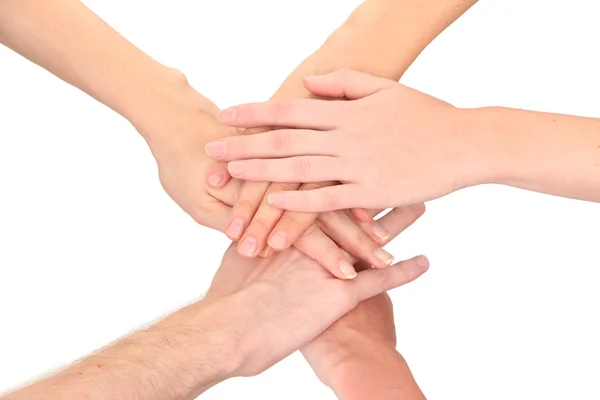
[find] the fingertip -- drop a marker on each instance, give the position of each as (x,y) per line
(279,240)
(361,215)
(419,208)
(218,178)
(216,150)
(422,262)
(347,269)
(237,168)
(235,228)
(227,116)
(277,200)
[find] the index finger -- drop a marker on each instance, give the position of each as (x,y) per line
(293,113)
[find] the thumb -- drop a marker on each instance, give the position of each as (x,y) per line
(374,281)
(346,83)
(218,175)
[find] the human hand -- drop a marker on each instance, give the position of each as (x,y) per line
(261,228)
(363,344)
(281,303)
(353,339)
(390,146)
(184,121)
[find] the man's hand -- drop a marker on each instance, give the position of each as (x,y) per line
(363,343)
(357,358)
(286,301)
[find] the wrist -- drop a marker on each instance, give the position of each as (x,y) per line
(491,151)
(164,107)
(210,348)
(331,359)
(375,367)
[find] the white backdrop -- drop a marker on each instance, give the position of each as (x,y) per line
(91,247)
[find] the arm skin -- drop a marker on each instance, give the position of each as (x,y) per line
(161,362)
(70,41)
(356,357)
(378,373)
(381,37)
(255,313)
(549,153)
(544,152)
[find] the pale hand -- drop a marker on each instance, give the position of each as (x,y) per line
(390,145)
(177,134)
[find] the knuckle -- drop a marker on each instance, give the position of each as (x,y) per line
(296,222)
(244,207)
(261,224)
(256,168)
(332,216)
(348,297)
(282,140)
(301,167)
(331,199)
(311,231)
(282,109)
(240,146)
(382,277)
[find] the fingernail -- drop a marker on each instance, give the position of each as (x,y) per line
(419,207)
(215,149)
(227,115)
(267,252)
(347,269)
(248,246)
(422,262)
(216,177)
(383,256)
(236,168)
(235,229)
(381,233)
(278,240)
(362,214)
(277,200)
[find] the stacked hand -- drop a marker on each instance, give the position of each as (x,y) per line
(389,145)
(271,307)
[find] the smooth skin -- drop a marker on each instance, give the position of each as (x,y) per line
(175,120)
(381,37)
(255,313)
(392,146)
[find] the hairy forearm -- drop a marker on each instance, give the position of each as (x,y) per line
(70,41)
(178,358)
(381,37)
(375,374)
(549,153)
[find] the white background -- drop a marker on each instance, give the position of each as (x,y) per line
(91,247)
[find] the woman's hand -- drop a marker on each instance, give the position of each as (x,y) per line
(390,145)
(184,121)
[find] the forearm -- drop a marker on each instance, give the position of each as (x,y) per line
(549,153)
(178,358)
(70,41)
(381,37)
(375,374)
